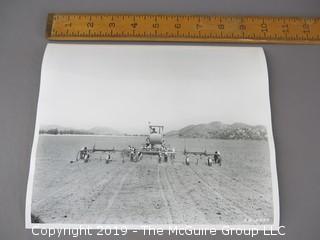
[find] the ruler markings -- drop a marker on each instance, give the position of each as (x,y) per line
(183,28)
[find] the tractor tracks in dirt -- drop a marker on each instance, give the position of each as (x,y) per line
(253,204)
(81,197)
(83,181)
(183,205)
(98,190)
(217,208)
(189,207)
(235,182)
(178,202)
(164,195)
(104,213)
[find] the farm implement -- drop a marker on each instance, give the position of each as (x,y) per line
(155,145)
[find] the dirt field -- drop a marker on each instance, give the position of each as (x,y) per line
(150,193)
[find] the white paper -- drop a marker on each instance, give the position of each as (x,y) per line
(105,97)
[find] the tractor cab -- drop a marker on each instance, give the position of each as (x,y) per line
(157,129)
(156,144)
(155,138)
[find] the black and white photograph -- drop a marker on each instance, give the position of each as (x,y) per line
(153,135)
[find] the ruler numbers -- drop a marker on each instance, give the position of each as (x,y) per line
(183,28)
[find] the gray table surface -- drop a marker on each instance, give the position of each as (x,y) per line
(294,87)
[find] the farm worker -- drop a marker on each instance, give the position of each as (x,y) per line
(165,156)
(172,155)
(217,157)
(131,155)
(159,157)
(139,156)
(86,157)
(83,152)
(147,142)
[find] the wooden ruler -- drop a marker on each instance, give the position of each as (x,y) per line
(183,28)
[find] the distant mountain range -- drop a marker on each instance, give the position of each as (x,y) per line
(56,129)
(218,130)
(214,130)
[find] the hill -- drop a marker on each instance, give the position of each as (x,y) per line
(219,130)
(56,129)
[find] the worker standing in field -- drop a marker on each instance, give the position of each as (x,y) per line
(139,156)
(86,157)
(148,142)
(83,152)
(129,150)
(166,156)
(131,154)
(217,158)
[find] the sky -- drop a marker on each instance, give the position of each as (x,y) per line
(126,86)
